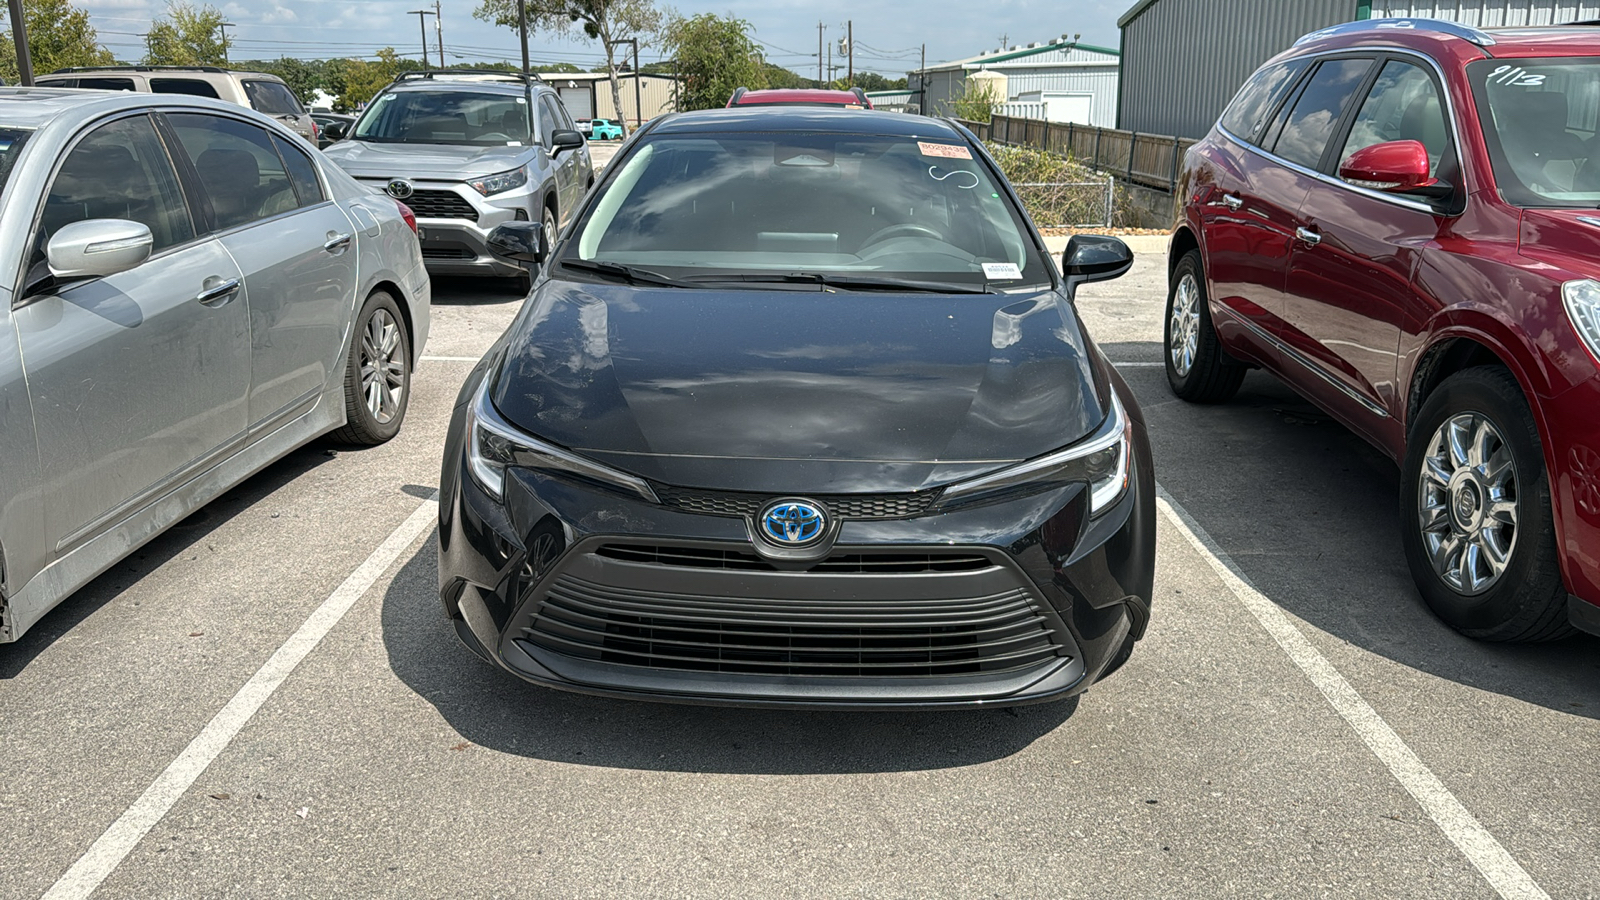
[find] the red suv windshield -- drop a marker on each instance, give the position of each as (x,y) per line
(1539,120)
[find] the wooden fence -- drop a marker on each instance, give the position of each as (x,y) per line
(1148,159)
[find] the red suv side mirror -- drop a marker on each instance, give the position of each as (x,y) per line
(1394,166)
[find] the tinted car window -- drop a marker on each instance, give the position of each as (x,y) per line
(1403,105)
(1539,119)
(271,98)
(107,84)
(244,178)
(549,122)
(1318,110)
(119,171)
(194,87)
(11,141)
(868,205)
(1246,117)
(302,172)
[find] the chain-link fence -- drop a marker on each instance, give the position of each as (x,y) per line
(1067,204)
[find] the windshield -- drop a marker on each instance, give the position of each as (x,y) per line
(11,141)
(446,117)
(695,206)
(1539,119)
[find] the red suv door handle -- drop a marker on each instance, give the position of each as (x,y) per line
(1307,235)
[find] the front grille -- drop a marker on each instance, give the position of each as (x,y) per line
(881,637)
(842,506)
(847,563)
(430,204)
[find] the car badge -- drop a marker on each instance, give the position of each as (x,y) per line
(399,188)
(793,523)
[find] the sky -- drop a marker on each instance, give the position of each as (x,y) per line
(888,35)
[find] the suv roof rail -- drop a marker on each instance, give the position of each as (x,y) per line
(1439,26)
(70,69)
(737,93)
(860,93)
(427,74)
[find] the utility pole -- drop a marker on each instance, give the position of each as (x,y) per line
(830,66)
(922,82)
(422,28)
(19,33)
(438,30)
(527,75)
(223,27)
(850,46)
(819,48)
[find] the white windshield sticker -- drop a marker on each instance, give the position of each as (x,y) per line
(1001,271)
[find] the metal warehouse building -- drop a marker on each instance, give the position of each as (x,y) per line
(1182,60)
(1063,80)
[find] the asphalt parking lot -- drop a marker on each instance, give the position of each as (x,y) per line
(267,701)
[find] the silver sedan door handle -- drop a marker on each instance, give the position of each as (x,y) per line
(220,293)
(1307,235)
(336,241)
(1232,201)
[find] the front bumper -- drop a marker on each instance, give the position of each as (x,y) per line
(454,221)
(582,589)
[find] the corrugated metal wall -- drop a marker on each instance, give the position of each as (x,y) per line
(942,86)
(1182,60)
(1098,81)
(1492,13)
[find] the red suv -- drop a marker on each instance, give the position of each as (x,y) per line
(855,98)
(1398,219)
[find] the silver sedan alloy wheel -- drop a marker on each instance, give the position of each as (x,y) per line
(382,371)
(1467,503)
(1184,329)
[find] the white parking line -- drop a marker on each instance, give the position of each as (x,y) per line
(471,359)
(108,851)
(1120,365)
(1503,872)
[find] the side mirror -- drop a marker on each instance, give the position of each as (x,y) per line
(1395,167)
(98,247)
(521,242)
(336,131)
(1094,257)
(565,140)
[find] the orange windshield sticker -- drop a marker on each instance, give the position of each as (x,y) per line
(944,151)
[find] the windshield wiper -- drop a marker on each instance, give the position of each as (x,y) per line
(848,282)
(617,270)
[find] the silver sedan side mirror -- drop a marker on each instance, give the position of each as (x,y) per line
(98,247)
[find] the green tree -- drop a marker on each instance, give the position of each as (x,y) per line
(607,21)
(976,102)
(363,79)
(715,55)
(59,35)
(186,36)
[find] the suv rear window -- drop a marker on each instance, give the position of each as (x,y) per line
(194,87)
(1253,105)
(272,98)
(107,84)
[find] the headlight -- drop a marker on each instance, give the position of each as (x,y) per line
(1101,461)
(493,444)
(500,181)
(1582,300)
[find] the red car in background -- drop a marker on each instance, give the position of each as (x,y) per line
(855,98)
(1398,219)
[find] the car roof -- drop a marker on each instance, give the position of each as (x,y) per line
(787,95)
(157,70)
(825,119)
(34,107)
(1454,42)
(485,86)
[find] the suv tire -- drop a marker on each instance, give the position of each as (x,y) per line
(1475,515)
(1198,369)
(377,376)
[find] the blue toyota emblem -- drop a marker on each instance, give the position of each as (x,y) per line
(793,522)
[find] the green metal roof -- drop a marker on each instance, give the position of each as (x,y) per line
(1034,51)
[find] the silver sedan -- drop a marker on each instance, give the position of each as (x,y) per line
(194,292)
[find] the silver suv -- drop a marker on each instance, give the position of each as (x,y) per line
(455,147)
(266,94)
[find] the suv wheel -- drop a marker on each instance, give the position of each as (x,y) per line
(1475,512)
(1197,367)
(377,379)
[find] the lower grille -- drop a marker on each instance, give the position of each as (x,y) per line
(447,251)
(851,563)
(430,204)
(881,637)
(843,506)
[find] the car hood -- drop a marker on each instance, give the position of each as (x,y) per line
(798,391)
(433,162)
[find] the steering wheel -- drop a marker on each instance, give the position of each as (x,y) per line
(904,229)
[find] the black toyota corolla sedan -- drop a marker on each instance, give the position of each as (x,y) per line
(800,412)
